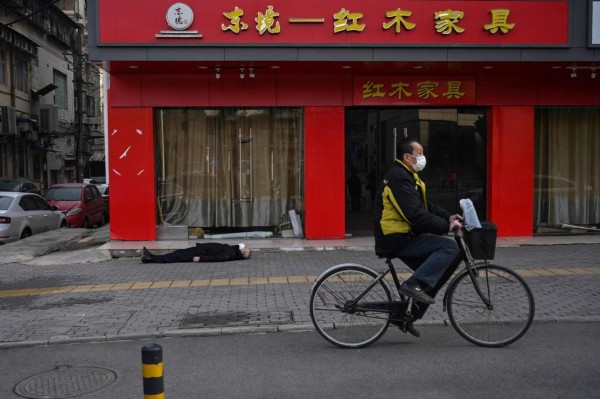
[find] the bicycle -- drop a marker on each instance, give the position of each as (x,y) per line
(352,305)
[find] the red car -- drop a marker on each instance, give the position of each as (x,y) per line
(82,204)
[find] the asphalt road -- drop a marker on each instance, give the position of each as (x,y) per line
(551,361)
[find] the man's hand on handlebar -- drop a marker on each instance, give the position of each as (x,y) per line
(455,217)
(455,225)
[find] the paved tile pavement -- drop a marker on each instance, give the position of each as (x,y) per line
(125,299)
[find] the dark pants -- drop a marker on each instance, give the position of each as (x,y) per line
(177,256)
(429,255)
(434,259)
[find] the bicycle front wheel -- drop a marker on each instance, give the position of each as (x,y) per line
(335,316)
(508,316)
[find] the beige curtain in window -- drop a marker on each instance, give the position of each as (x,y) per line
(567,166)
(229,167)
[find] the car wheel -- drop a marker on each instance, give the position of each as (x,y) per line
(86,224)
(26,233)
(102,221)
(63,224)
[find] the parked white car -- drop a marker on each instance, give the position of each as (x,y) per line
(25,214)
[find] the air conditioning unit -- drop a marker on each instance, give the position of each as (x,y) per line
(48,120)
(9,121)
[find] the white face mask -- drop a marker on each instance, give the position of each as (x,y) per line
(421,162)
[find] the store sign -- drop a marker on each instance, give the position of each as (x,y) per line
(414,90)
(336,22)
(594,25)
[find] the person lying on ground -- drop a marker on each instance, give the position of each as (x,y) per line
(202,252)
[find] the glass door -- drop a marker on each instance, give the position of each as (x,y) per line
(454,140)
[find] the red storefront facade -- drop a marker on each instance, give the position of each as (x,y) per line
(509,63)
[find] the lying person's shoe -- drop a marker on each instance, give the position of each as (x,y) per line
(147,259)
(407,327)
(146,253)
(416,292)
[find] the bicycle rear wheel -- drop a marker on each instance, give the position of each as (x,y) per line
(509,315)
(338,322)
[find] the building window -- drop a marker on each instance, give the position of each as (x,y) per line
(2,67)
(22,75)
(567,172)
(90,103)
(229,168)
(60,94)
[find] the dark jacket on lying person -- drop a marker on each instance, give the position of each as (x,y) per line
(202,252)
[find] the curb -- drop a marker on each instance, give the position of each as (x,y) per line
(205,332)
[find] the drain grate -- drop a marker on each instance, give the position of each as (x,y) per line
(65,382)
(229,319)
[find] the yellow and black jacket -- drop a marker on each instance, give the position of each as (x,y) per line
(401,210)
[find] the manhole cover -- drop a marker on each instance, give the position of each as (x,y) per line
(228,319)
(65,382)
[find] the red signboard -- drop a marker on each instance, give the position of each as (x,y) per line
(413,90)
(335,22)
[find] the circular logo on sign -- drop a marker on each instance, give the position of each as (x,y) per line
(180,16)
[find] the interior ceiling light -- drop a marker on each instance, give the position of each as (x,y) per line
(133,67)
(573,72)
(218,73)
(251,74)
(242,74)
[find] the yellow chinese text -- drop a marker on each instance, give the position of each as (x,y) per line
(499,21)
(397,19)
(400,90)
(342,18)
(454,90)
(371,90)
(235,18)
(447,21)
(426,89)
(266,22)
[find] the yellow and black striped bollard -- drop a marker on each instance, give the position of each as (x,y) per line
(152,368)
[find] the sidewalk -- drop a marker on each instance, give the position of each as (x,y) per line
(104,249)
(50,300)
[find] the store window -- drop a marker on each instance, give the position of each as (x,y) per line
(567,172)
(454,142)
(229,169)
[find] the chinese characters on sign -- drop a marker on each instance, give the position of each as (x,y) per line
(445,22)
(413,90)
(337,22)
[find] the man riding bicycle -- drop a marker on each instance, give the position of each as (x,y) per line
(407,226)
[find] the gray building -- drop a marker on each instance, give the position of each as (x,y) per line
(50,94)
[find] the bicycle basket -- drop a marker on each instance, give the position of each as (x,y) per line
(482,241)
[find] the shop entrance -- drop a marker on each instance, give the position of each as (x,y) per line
(229,170)
(454,140)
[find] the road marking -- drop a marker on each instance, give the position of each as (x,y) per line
(245,281)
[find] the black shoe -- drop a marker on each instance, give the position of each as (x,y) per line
(147,259)
(416,292)
(407,327)
(146,253)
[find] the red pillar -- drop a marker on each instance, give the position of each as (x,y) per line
(510,170)
(131,171)
(324,172)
